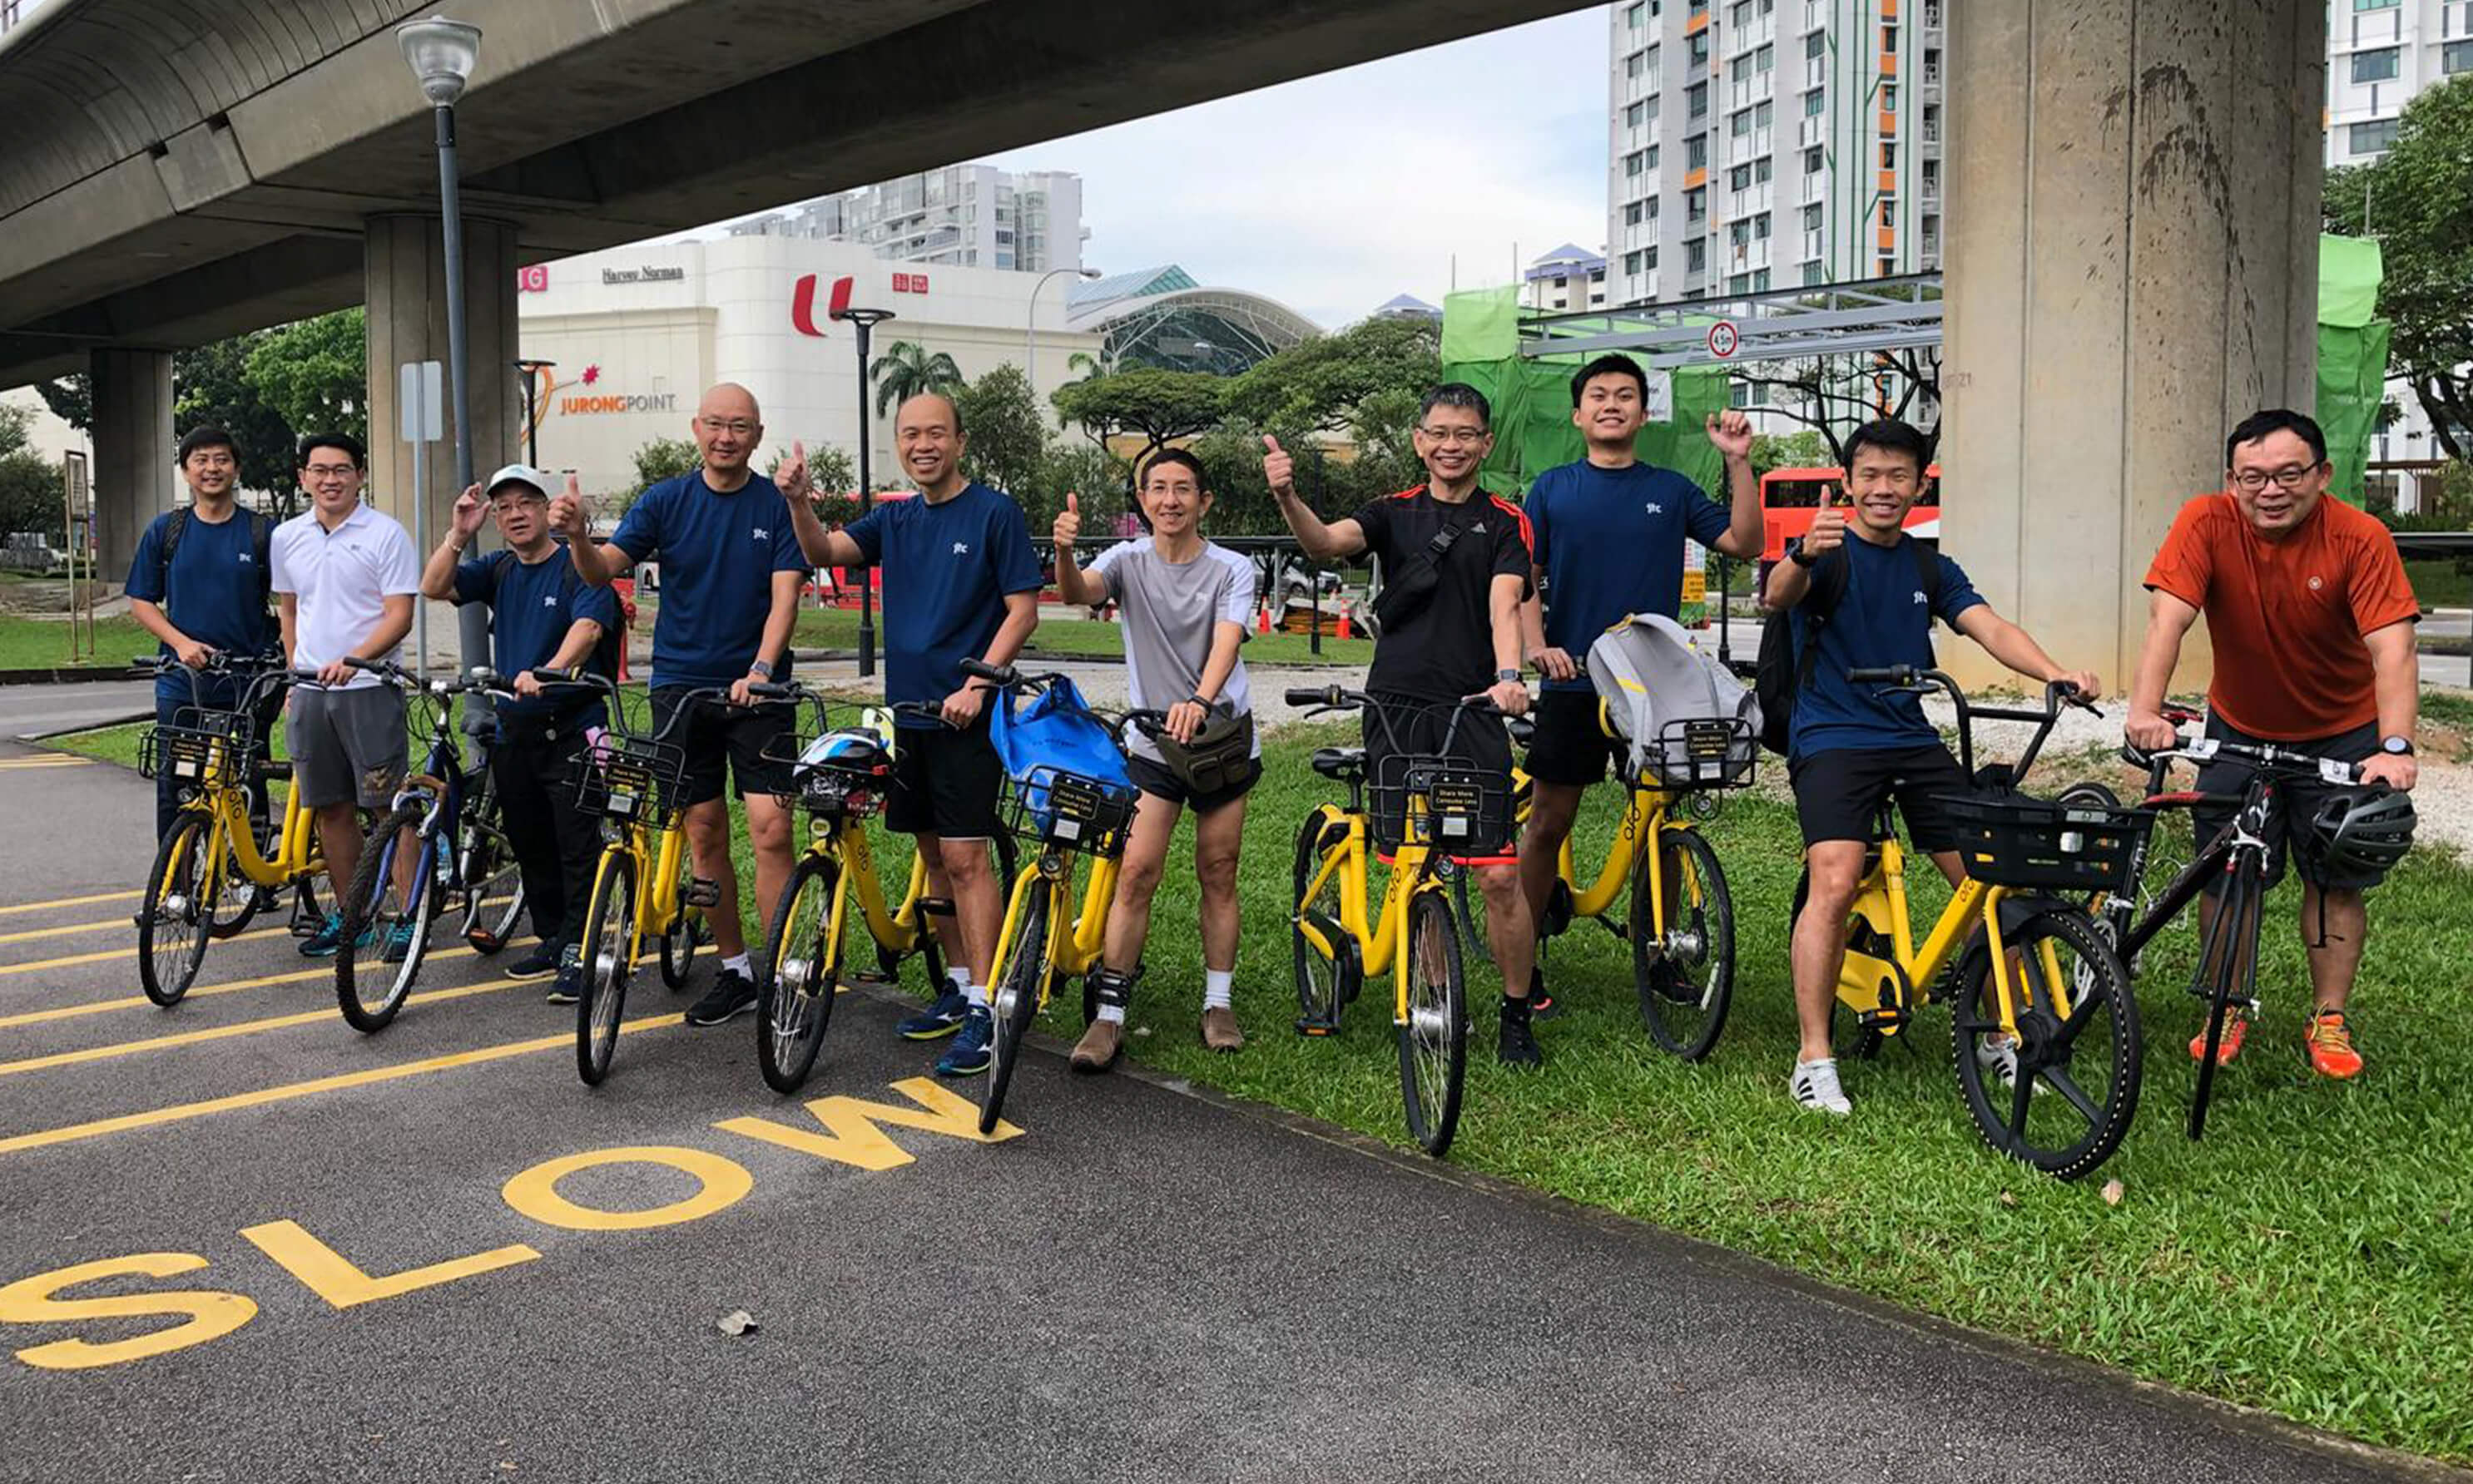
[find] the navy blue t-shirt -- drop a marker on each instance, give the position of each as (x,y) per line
(718,556)
(530,612)
(1611,542)
(1883,619)
(217,596)
(948,569)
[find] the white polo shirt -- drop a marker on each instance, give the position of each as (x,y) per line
(342,578)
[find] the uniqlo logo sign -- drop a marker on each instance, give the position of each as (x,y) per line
(910,284)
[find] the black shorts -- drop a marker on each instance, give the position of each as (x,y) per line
(1397,726)
(1155,778)
(2297,798)
(717,734)
(1837,794)
(1569,747)
(945,783)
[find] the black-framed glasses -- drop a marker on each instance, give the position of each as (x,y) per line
(2289,477)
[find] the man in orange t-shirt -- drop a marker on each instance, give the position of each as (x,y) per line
(2312,620)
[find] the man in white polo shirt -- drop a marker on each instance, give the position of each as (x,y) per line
(346,577)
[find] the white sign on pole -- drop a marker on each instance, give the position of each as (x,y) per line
(1659,405)
(1725,339)
(421,396)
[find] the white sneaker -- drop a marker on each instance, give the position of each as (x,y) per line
(1996,1053)
(1815,1086)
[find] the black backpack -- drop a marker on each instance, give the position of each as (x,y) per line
(261,535)
(613,636)
(1781,671)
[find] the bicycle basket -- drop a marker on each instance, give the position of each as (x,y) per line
(2014,841)
(1701,751)
(632,781)
(844,774)
(1440,803)
(1074,812)
(197,756)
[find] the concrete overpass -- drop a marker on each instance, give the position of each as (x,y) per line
(2130,257)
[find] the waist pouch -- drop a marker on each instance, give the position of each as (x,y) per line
(1217,758)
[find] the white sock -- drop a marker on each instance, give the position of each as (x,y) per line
(1114,1014)
(741,964)
(976,994)
(1217,984)
(957,979)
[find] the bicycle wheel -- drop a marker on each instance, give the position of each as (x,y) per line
(608,924)
(237,899)
(2077,1046)
(493,884)
(370,992)
(688,932)
(1318,977)
(1024,982)
(1686,979)
(798,975)
(2233,937)
(172,918)
(1433,1043)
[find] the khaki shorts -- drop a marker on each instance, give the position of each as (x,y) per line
(348,746)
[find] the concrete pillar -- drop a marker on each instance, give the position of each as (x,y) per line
(134,478)
(2132,267)
(405,280)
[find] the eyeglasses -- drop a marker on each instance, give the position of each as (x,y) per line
(2289,477)
(1457,438)
(734,427)
(332,471)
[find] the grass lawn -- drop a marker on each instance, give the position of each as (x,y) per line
(2312,1258)
(43,643)
(2438,582)
(1088,638)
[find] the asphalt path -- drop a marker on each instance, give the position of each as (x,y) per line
(432,1254)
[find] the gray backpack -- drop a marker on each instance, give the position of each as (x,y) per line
(1655,680)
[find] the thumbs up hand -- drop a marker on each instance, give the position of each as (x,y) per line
(1828,532)
(794,474)
(1069,524)
(1278,470)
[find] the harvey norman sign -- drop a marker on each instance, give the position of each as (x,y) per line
(645,274)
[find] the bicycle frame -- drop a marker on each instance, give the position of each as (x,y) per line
(1380,937)
(894,929)
(1075,951)
(1883,896)
(228,804)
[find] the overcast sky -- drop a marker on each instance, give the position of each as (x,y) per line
(1333,192)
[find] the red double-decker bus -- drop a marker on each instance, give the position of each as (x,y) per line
(1789,496)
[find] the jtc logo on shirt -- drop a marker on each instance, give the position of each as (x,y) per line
(1920,598)
(1654,509)
(961,548)
(763,535)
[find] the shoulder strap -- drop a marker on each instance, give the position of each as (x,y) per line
(1830,576)
(498,563)
(173,525)
(1928,578)
(261,536)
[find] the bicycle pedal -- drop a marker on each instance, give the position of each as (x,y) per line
(1308,1026)
(700,892)
(936,906)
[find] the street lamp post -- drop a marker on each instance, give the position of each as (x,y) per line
(532,370)
(442,54)
(1031,324)
(865,320)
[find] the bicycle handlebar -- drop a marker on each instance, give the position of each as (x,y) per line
(2260,758)
(1917,679)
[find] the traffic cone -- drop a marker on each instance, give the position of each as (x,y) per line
(1343,623)
(1262,620)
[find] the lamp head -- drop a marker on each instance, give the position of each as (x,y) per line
(442,54)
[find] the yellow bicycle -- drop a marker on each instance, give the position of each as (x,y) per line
(211,876)
(2044,1028)
(839,780)
(1423,804)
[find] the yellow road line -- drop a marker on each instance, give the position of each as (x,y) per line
(73,927)
(17,764)
(244,1028)
(74,901)
(106,955)
(183,1111)
(198,991)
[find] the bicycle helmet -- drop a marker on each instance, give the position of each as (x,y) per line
(2360,832)
(851,749)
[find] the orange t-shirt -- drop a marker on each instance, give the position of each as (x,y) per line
(2287,617)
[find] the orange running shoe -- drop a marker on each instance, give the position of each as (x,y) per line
(2330,1043)
(2236,1026)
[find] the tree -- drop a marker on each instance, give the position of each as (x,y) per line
(31,494)
(1162,406)
(315,373)
(71,399)
(1328,383)
(831,470)
(1076,468)
(1805,449)
(1834,395)
(1007,438)
(2419,201)
(906,370)
(663,458)
(211,386)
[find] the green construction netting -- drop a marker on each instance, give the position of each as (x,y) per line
(2352,356)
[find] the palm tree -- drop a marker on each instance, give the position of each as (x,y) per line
(906,371)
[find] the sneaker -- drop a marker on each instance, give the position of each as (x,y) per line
(540,964)
(1997,1055)
(939,1019)
(1815,1086)
(969,1055)
(569,986)
(1219,1030)
(1099,1048)
(1541,1004)
(2330,1044)
(328,938)
(398,943)
(2236,1026)
(731,994)
(1517,1044)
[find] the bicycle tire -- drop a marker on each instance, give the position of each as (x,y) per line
(1433,1042)
(2239,904)
(167,960)
(372,882)
(490,873)
(1015,1002)
(2076,1131)
(608,924)
(801,962)
(1319,997)
(1682,1018)
(230,922)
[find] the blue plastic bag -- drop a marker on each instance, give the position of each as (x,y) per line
(1055,733)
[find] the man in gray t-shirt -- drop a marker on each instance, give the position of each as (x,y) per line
(1185,603)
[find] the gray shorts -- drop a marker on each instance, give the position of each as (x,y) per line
(348,746)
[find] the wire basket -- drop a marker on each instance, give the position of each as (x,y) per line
(1440,803)
(2014,841)
(632,781)
(1698,752)
(197,749)
(1051,806)
(836,790)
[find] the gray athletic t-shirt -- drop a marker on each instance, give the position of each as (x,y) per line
(1169,609)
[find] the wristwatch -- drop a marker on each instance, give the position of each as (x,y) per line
(1502,677)
(2396,746)
(762,667)
(1803,559)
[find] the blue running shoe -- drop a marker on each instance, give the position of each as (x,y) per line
(938,1020)
(323,943)
(969,1055)
(398,943)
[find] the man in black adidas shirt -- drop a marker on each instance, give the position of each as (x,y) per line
(1457,561)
